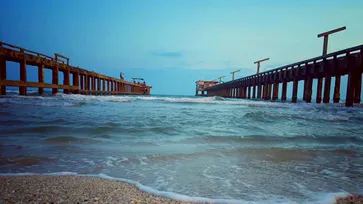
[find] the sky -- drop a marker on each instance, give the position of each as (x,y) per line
(172,44)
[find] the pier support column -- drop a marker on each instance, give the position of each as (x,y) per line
(104,86)
(327,86)
(350,89)
(82,81)
(275,95)
(249,92)
(284,90)
(99,85)
(22,89)
(308,89)
(319,90)
(269,90)
(55,80)
(41,78)
(259,91)
(75,82)
(86,81)
(93,84)
(254,92)
(294,90)
(2,75)
(336,97)
(357,88)
(66,81)
(265,91)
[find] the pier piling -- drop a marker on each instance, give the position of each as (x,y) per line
(83,81)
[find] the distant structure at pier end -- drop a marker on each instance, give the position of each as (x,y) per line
(202,85)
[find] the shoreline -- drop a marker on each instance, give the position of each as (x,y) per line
(70,188)
(74,189)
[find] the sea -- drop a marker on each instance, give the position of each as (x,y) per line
(185,147)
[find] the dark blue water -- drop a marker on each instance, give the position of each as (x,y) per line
(234,149)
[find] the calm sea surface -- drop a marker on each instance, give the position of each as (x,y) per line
(232,149)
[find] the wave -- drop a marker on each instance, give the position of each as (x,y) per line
(316,198)
(24,160)
(259,139)
(69,140)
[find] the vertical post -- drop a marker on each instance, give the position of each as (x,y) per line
(82,81)
(249,92)
(294,90)
(55,80)
(327,86)
(75,82)
(319,90)
(2,75)
(103,85)
(259,92)
(305,90)
(98,85)
(309,89)
(269,90)
(93,84)
(350,90)
(66,81)
(336,97)
(254,92)
(41,79)
(86,81)
(284,90)
(22,89)
(358,87)
(275,92)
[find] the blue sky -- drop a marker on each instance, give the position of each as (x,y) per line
(174,43)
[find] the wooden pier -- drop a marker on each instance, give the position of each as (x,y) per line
(265,85)
(83,81)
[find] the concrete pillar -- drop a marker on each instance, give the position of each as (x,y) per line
(249,92)
(284,90)
(308,89)
(86,81)
(319,90)
(254,92)
(350,90)
(259,91)
(75,82)
(82,81)
(294,90)
(66,81)
(357,88)
(327,86)
(269,89)
(275,94)
(22,89)
(41,79)
(103,85)
(98,85)
(2,75)
(55,80)
(93,81)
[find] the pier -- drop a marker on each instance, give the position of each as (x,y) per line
(265,85)
(83,81)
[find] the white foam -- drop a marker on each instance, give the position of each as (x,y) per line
(317,198)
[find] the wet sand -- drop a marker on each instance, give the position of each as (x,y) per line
(84,189)
(73,189)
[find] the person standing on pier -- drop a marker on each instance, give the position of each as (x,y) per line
(122,76)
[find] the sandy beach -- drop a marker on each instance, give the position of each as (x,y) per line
(86,189)
(72,189)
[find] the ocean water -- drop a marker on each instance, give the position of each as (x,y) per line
(194,148)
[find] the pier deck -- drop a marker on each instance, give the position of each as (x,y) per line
(265,85)
(83,81)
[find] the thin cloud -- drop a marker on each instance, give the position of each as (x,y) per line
(167,54)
